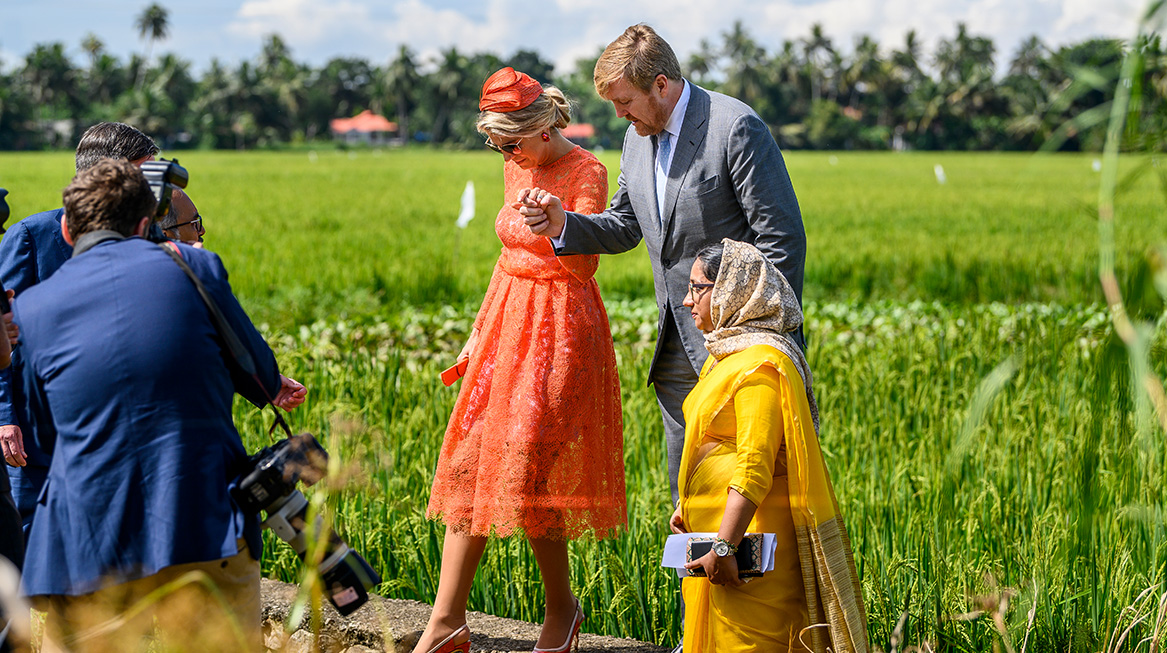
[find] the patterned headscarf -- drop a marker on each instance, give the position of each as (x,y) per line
(508,90)
(753,304)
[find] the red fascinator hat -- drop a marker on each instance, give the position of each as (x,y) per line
(508,90)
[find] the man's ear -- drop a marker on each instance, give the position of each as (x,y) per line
(65,231)
(661,85)
(143,227)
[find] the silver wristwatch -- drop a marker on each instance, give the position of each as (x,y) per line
(723,549)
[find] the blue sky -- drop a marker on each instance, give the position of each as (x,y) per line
(560,30)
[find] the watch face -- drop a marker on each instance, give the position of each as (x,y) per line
(721,549)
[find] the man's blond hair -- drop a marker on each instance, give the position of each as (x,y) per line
(638,55)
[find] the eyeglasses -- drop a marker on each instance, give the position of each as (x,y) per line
(196,223)
(509,148)
(696,289)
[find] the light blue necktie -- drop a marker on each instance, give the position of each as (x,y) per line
(664,148)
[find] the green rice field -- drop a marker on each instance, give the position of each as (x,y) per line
(1001,476)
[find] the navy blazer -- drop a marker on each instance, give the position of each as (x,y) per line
(129,368)
(31,251)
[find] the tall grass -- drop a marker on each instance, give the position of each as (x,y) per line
(953,488)
(1037,495)
(316,238)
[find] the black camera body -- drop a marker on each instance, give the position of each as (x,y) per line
(164,176)
(269,485)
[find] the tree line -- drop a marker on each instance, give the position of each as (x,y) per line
(812,93)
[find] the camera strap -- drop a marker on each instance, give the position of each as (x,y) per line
(234,344)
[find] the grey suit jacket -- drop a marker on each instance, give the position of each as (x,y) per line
(727,180)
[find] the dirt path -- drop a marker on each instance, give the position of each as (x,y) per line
(392,625)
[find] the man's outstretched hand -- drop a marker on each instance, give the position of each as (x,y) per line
(541,211)
(291,393)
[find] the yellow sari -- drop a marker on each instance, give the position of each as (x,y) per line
(749,426)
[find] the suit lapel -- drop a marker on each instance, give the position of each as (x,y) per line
(692,133)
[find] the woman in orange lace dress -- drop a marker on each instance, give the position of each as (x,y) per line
(535,443)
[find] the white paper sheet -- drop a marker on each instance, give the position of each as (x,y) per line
(674,553)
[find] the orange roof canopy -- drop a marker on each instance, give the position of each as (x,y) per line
(365,122)
(578,130)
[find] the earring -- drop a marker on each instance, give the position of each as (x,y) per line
(546,137)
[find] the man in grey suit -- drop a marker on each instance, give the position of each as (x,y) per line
(696,167)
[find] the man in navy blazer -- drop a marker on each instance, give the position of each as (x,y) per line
(130,371)
(696,167)
(31,251)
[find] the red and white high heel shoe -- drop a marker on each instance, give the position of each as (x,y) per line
(447,645)
(572,638)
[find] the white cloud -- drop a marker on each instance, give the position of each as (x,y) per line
(301,21)
(562,31)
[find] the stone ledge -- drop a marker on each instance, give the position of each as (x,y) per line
(392,625)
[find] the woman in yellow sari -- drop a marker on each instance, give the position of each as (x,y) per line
(751,463)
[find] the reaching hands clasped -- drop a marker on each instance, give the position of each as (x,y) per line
(542,212)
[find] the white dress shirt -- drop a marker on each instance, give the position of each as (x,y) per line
(673,128)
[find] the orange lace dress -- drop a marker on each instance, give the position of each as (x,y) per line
(536,441)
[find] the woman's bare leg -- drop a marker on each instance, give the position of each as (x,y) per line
(560,609)
(460,557)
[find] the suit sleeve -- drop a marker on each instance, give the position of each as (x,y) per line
(266,369)
(764,191)
(613,231)
(45,433)
(44,436)
(18,273)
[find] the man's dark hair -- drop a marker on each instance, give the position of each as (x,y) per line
(112,140)
(710,258)
(171,218)
(111,195)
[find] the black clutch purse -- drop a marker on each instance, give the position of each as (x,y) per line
(748,556)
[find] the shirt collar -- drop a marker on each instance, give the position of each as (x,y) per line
(92,239)
(677,117)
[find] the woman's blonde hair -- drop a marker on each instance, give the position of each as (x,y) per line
(639,55)
(551,109)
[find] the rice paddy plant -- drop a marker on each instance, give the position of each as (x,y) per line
(1038,498)
(360,235)
(1038,486)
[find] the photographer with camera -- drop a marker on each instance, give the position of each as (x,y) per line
(127,366)
(31,251)
(11,538)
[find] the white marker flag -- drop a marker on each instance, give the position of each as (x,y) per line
(467,212)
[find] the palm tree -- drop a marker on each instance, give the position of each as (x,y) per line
(745,76)
(213,107)
(152,24)
(401,82)
(818,52)
(51,78)
(104,80)
(448,80)
(283,87)
(702,62)
(93,46)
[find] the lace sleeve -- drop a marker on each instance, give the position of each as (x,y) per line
(585,192)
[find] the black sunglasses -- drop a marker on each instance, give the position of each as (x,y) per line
(509,148)
(197,223)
